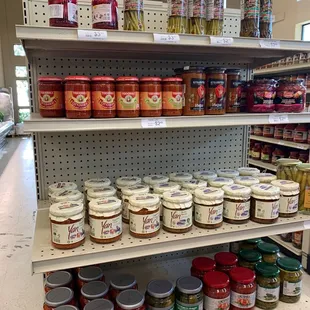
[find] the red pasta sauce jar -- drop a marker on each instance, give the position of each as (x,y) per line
(202,265)
(225,261)
(150,96)
(58,297)
(121,282)
(172,96)
(63,13)
(91,291)
(130,299)
(105,14)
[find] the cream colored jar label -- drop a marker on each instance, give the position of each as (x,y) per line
(267,210)
(292,288)
(178,219)
(105,228)
(209,214)
(267,294)
(289,204)
(216,304)
(242,301)
(237,210)
(144,224)
(68,233)
(125,211)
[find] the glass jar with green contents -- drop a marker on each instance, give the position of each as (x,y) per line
(249,258)
(189,295)
(287,169)
(291,279)
(269,251)
(250,244)
(268,286)
(303,178)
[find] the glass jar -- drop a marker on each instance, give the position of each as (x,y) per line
(154,179)
(197,17)
(77,97)
(180,177)
(204,175)
(89,274)
(220,182)
(250,13)
(103,96)
(288,132)
(297,239)
(125,182)
(276,155)
(225,261)
(201,266)
(268,131)
(244,89)
(70,307)
(58,297)
(63,13)
(233,96)
(250,244)
(96,184)
(177,16)
(58,279)
(246,181)
(303,178)
(227,173)
(265,22)
(130,299)
(256,152)
(91,291)
(216,83)
(216,291)
(172,96)
(243,289)
(300,134)
(266,153)
(134,15)
(258,130)
(99,304)
(304,156)
(53,188)
(105,14)
(249,258)
(291,279)
(67,195)
(192,185)
(287,169)
(247,171)
(270,252)
(265,178)
(278,131)
(215,17)
(268,286)
(287,237)
(121,283)
(100,193)
(51,97)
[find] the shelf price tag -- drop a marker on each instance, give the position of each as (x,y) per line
(153,123)
(278,119)
(269,44)
(92,35)
(221,41)
(306,224)
(166,38)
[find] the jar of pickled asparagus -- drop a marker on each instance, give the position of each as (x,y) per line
(250,18)
(287,169)
(197,16)
(133,15)
(177,12)
(215,16)
(265,23)
(303,178)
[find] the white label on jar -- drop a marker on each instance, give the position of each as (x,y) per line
(105,228)
(267,294)
(125,211)
(289,204)
(209,214)
(178,219)
(102,13)
(157,308)
(242,301)
(267,210)
(72,12)
(216,304)
(68,233)
(144,224)
(256,155)
(183,306)
(56,10)
(236,210)
(292,288)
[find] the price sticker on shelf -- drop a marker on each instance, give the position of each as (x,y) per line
(269,44)
(92,35)
(153,123)
(166,38)
(306,224)
(278,119)
(221,41)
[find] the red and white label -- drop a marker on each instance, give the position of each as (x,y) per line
(105,228)
(236,210)
(242,301)
(68,233)
(289,204)
(267,210)
(216,304)
(178,219)
(144,224)
(209,214)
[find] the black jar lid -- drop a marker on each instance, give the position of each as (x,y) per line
(58,278)
(90,273)
(188,69)
(58,296)
(130,299)
(189,285)
(99,304)
(233,71)
(94,290)
(67,307)
(215,70)
(160,288)
(123,281)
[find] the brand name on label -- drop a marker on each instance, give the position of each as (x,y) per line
(73,232)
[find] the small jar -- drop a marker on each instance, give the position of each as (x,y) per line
(225,261)
(227,173)
(127,96)
(172,96)
(77,97)
(289,196)
(233,96)
(258,130)
(93,290)
(100,193)
(130,300)
(249,258)
(291,279)
(208,207)
(192,185)
(150,97)
(58,297)
(300,134)
(250,244)
(51,97)
(286,237)
(297,239)
(103,101)
(287,168)
(201,266)
(154,179)
(268,286)
(67,195)
(58,279)
(256,151)
(99,304)
(265,178)
(105,220)
(60,186)
(144,215)
(189,294)
(266,153)
(105,14)
(246,181)
(277,154)
(96,183)
(220,182)
(63,13)
(125,182)
(304,156)
(68,307)
(204,175)
(288,132)
(180,177)
(269,251)
(160,295)
(67,224)
(89,274)
(268,131)
(177,211)
(235,247)
(248,171)
(216,291)
(278,131)
(265,203)
(121,282)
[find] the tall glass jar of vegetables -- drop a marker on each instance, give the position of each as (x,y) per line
(197,16)
(215,17)
(250,10)
(303,178)
(265,23)
(133,15)
(177,12)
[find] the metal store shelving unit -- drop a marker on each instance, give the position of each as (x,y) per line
(298,68)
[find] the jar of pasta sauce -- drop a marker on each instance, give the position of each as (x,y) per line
(246,180)
(172,96)
(288,132)
(121,282)
(130,300)
(103,192)
(105,14)
(89,274)
(266,153)
(256,152)
(268,131)
(93,290)
(103,97)
(300,134)
(258,130)
(63,13)
(243,105)
(202,265)
(243,289)
(70,307)
(233,96)
(278,131)
(51,97)
(77,97)
(150,97)
(58,279)
(58,297)
(180,177)
(225,261)
(127,96)
(98,304)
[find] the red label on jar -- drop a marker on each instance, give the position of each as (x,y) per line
(51,100)
(150,100)
(264,97)
(78,101)
(103,100)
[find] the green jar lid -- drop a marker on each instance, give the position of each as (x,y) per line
(268,248)
(253,241)
(289,264)
(267,270)
(250,255)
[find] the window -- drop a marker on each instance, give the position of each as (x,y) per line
(23,114)
(22,88)
(19,50)
(21,71)
(305,32)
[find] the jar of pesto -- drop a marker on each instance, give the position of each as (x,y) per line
(249,258)
(250,244)
(269,251)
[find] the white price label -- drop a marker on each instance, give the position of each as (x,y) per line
(221,41)
(278,119)
(269,44)
(166,38)
(92,35)
(306,225)
(153,123)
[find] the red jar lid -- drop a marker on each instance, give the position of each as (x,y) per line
(150,79)
(242,275)
(77,78)
(226,258)
(216,279)
(127,79)
(203,263)
(102,79)
(49,79)
(172,79)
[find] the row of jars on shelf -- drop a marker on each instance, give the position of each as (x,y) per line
(295,238)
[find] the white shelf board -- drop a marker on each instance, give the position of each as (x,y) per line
(287,245)
(46,258)
(298,68)
(261,164)
(301,146)
(36,123)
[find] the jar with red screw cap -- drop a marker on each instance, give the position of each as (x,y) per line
(225,261)
(202,265)
(63,13)
(172,96)
(150,96)
(105,14)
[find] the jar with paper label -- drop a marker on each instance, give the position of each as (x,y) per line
(291,279)
(60,278)
(103,192)
(67,195)
(265,178)
(300,134)
(289,196)
(89,274)
(173,96)
(96,183)
(270,252)
(246,181)
(215,17)
(243,289)
(121,282)
(58,297)
(258,130)
(278,131)
(248,171)
(134,15)
(125,182)
(180,177)
(60,186)
(303,178)
(154,179)
(144,215)
(277,154)
(126,193)
(227,173)
(268,131)
(225,261)
(177,211)
(265,203)
(67,224)
(197,16)
(297,239)
(220,182)
(204,175)
(288,132)
(287,169)
(266,153)
(201,266)
(63,13)
(105,14)
(208,204)
(177,16)
(193,184)
(256,151)
(236,204)
(92,291)
(233,96)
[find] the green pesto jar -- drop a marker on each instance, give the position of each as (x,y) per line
(269,251)
(249,258)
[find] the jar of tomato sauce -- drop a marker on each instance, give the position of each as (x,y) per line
(278,131)
(63,13)
(77,97)
(233,97)
(103,97)
(58,297)
(288,132)
(51,97)
(256,152)
(89,274)
(266,153)
(150,96)
(268,131)
(127,96)
(121,282)
(58,279)
(172,96)
(105,14)
(93,290)
(202,265)
(130,300)
(300,134)
(225,261)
